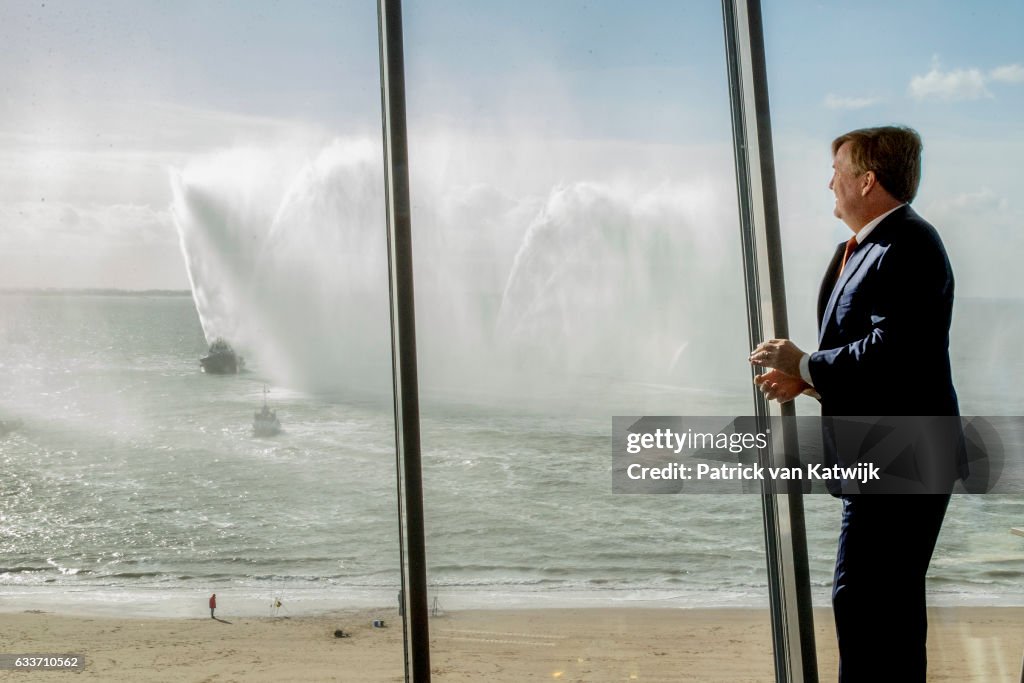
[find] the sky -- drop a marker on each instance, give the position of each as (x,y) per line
(102,101)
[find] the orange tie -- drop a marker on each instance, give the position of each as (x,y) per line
(850,246)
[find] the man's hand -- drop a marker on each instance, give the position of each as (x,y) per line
(780,354)
(778,386)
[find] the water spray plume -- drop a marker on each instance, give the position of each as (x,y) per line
(587,279)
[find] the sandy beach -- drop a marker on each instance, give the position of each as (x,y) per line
(613,644)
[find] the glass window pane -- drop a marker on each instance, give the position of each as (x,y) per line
(956,78)
(172,174)
(577,257)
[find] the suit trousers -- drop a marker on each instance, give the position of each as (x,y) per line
(878,593)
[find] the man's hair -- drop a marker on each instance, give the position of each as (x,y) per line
(892,152)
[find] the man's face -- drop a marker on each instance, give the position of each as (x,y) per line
(846,184)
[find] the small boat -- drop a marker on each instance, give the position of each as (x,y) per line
(221,359)
(264,421)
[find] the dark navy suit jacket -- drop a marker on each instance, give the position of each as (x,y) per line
(883,334)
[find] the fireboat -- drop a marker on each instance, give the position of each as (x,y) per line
(221,359)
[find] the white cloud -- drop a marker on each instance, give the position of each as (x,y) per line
(63,225)
(837,102)
(978,201)
(960,84)
(1009,73)
(56,244)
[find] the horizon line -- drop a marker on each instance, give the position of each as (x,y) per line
(94,291)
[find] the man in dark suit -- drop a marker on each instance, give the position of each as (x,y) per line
(884,313)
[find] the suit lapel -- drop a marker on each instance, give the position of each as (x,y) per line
(864,254)
(857,259)
(828,283)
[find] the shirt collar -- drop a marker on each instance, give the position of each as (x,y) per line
(863,234)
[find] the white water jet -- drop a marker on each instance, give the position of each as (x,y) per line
(287,259)
(292,273)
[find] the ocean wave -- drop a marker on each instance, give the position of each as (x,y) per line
(23,570)
(134,575)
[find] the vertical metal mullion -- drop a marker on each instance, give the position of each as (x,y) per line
(403,343)
(780,322)
(755,326)
(751,119)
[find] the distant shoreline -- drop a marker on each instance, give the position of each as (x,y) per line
(55,291)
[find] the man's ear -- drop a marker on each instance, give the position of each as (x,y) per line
(869,181)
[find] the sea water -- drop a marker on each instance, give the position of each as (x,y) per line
(134,484)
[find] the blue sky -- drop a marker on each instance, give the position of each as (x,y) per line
(100,99)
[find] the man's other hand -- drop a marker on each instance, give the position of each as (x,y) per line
(780,354)
(778,386)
